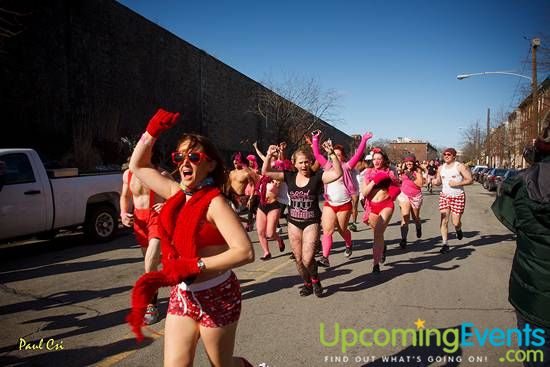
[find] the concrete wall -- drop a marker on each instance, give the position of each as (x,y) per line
(81,74)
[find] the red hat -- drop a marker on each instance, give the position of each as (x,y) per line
(409,158)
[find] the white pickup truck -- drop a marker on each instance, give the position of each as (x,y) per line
(39,202)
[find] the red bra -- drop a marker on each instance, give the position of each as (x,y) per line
(209,235)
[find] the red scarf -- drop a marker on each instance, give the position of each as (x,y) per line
(179,222)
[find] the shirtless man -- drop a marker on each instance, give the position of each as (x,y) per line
(239,179)
(144,218)
(453,176)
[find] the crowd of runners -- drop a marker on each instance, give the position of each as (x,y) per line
(196,221)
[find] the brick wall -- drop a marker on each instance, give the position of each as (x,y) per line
(422,151)
(81,74)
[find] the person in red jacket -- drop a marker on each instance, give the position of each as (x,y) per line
(201,240)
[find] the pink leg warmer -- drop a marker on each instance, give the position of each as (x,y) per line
(326,241)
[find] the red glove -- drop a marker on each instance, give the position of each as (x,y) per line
(178,270)
(367,136)
(162,121)
(380,177)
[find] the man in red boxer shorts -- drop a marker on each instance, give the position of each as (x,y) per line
(453,176)
(144,219)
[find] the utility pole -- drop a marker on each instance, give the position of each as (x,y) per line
(477,143)
(535,100)
(488,138)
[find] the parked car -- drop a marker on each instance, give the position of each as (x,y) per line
(476,170)
(510,173)
(38,202)
(493,178)
(482,174)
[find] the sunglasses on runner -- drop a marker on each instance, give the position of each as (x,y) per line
(194,157)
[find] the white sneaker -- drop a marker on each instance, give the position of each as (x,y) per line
(151,315)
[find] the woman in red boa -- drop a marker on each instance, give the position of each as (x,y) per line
(201,241)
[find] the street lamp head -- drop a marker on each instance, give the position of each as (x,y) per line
(464,76)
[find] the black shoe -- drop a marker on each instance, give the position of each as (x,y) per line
(418,230)
(265,257)
(323,261)
(376,269)
(317,289)
(444,249)
(403,243)
(349,251)
(352,227)
(383,259)
(292,257)
(459,234)
(306,290)
(281,246)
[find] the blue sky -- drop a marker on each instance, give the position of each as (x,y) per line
(394,63)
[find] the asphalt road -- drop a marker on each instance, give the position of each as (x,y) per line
(76,295)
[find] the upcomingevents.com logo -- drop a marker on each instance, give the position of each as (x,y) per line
(521,344)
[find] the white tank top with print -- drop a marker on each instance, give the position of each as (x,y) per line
(451,173)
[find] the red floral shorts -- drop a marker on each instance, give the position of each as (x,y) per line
(212,303)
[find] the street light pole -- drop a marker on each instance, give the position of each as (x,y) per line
(534,44)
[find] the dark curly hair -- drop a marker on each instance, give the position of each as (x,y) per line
(219,173)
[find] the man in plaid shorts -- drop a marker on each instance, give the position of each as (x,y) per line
(453,176)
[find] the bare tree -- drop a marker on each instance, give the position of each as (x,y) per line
(473,138)
(295,106)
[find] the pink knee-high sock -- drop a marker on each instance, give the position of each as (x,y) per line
(347,237)
(326,241)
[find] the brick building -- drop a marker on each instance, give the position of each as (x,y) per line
(397,150)
(82,74)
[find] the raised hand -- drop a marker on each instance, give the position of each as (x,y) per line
(327,146)
(368,135)
(272,151)
(162,121)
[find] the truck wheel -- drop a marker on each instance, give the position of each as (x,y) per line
(101,223)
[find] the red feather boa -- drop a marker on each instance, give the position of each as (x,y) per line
(179,223)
